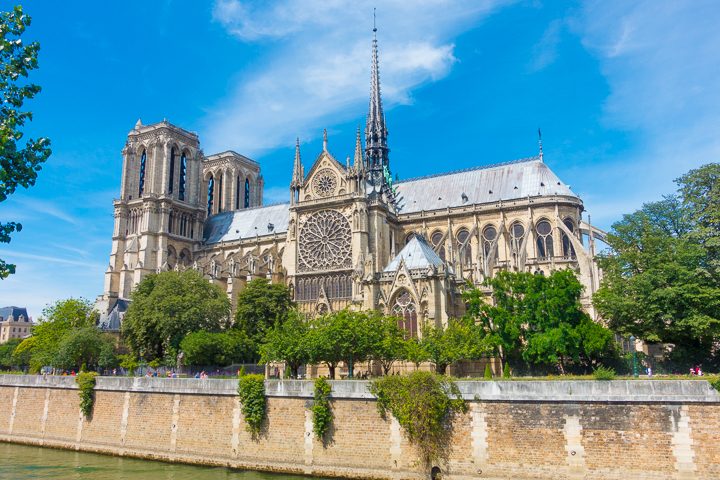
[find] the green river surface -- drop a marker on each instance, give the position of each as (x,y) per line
(20,462)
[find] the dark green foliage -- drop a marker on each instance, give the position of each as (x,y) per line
(459,340)
(85,346)
(604,373)
(6,353)
(661,280)
(424,405)
(488,372)
(261,305)
(86,388)
(321,410)
(19,160)
(58,324)
(538,320)
(506,371)
(389,340)
(219,349)
(715,383)
(287,342)
(166,307)
(251,389)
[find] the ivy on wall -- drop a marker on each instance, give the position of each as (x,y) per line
(424,404)
(321,410)
(86,385)
(251,389)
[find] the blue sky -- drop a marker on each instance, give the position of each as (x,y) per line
(625,93)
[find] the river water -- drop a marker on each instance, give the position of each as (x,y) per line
(20,462)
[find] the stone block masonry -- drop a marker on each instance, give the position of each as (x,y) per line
(520,430)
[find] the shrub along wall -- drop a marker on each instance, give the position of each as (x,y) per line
(581,429)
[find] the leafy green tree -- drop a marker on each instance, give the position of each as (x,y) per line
(389,340)
(538,319)
(341,336)
(167,306)
(57,320)
(415,352)
(661,281)
(7,349)
(84,346)
(288,342)
(260,306)
(457,341)
(220,349)
(19,160)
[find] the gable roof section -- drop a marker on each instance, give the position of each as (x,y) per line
(15,312)
(529,177)
(417,254)
(247,223)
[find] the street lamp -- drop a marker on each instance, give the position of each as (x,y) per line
(634,352)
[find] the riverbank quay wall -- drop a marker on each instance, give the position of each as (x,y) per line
(513,429)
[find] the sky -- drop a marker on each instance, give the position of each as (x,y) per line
(625,94)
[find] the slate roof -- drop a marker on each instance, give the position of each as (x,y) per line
(417,254)
(113,320)
(247,223)
(6,312)
(487,184)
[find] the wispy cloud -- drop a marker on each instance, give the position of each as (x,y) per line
(661,61)
(546,50)
(319,62)
(10,255)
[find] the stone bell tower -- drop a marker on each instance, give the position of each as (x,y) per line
(160,212)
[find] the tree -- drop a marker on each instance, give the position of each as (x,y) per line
(57,320)
(85,346)
(220,349)
(538,319)
(389,340)
(167,306)
(415,352)
(7,349)
(457,341)
(341,336)
(661,278)
(19,161)
(260,306)
(288,342)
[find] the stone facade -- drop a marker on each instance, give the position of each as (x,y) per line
(522,430)
(350,237)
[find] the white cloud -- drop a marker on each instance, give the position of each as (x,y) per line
(318,63)
(661,61)
(546,50)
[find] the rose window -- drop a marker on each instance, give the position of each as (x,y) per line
(324,183)
(325,241)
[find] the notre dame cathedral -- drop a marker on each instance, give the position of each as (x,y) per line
(349,237)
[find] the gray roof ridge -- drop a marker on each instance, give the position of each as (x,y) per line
(471,169)
(258,207)
(219,154)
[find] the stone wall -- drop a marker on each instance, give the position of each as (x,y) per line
(520,430)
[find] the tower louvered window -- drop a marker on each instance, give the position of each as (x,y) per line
(141,184)
(210,194)
(247,193)
(183,176)
(171,183)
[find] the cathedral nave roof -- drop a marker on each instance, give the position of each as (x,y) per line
(529,177)
(247,223)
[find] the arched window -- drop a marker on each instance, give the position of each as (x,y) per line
(220,192)
(237,193)
(489,235)
(409,237)
(464,247)
(406,311)
(143,161)
(247,192)
(517,232)
(210,194)
(544,239)
(567,246)
(183,176)
(436,240)
(172,170)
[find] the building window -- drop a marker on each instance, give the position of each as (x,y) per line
(489,235)
(544,240)
(567,246)
(220,192)
(183,177)
(172,170)
(237,193)
(247,192)
(143,161)
(210,194)
(406,311)
(438,244)
(464,248)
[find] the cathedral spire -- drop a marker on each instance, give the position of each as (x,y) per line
(540,150)
(376,149)
(325,140)
(358,160)
(298,174)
